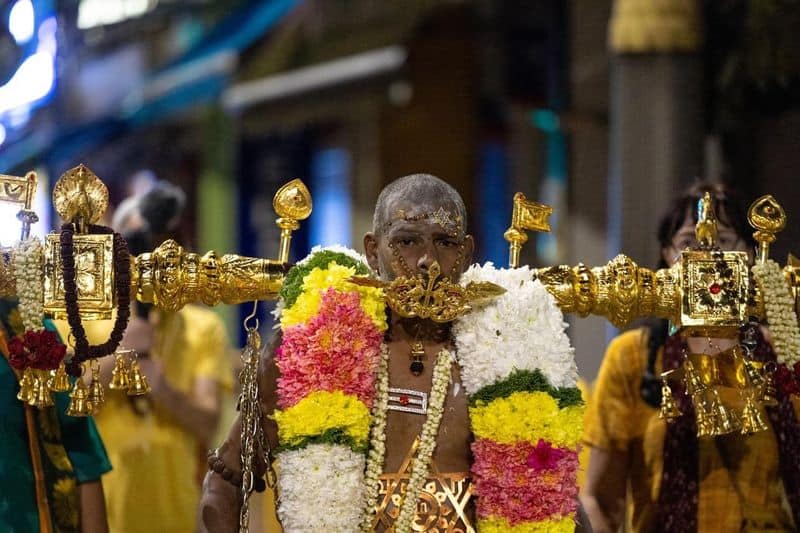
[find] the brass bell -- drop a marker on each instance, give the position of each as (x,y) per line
(120,377)
(79,404)
(703,417)
(96,393)
(767,392)
(60,381)
(42,396)
(669,409)
(138,382)
(26,384)
(693,380)
(752,421)
(724,420)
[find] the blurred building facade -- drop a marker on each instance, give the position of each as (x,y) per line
(603,109)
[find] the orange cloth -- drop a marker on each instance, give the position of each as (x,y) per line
(740,484)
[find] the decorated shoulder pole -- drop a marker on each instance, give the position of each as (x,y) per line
(709,292)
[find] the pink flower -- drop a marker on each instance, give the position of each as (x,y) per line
(339,349)
(508,485)
(545,457)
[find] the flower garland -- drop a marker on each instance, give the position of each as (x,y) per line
(36,348)
(430,429)
(28,261)
(782,323)
(329,359)
(333,393)
(515,358)
(377,442)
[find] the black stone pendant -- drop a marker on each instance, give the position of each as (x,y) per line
(417,353)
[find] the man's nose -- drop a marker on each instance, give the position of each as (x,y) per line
(427,258)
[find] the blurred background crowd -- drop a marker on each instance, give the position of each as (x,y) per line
(604,109)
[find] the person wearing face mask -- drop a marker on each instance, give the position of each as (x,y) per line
(650,475)
(157,442)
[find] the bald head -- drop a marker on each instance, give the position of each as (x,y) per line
(424,191)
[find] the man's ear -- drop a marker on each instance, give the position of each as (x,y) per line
(371,250)
(469,251)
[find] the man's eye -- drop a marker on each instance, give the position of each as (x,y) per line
(446,243)
(405,242)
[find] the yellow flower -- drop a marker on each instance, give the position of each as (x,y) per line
(334,277)
(527,416)
(500,525)
(323,411)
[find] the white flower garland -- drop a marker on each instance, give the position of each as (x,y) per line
(422,460)
(523,329)
(28,260)
(419,468)
(780,312)
(377,445)
(315,479)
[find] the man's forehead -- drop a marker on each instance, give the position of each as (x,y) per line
(402,213)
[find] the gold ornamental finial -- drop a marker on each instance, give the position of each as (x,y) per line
(80,196)
(292,203)
(768,218)
(706,228)
(526,215)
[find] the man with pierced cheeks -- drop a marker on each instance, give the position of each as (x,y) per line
(419,220)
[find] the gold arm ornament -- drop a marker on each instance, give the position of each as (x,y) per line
(169,277)
(708,292)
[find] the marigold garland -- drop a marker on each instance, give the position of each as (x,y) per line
(527,416)
(321,412)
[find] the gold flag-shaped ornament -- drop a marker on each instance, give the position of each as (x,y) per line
(530,215)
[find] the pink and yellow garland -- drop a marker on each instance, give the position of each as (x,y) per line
(525,411)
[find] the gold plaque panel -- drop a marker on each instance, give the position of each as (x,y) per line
(94,273)
(715,291)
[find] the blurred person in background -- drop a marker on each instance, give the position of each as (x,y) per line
(157,442)
(674,481)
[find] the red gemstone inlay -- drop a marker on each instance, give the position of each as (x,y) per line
(715,288)
(404,399)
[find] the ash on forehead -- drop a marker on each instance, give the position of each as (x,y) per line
(425,192)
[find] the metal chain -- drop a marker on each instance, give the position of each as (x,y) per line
(250,414)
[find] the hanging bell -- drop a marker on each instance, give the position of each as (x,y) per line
(669,409)
(26,384)
(138,382)
(42,396)
(767,393)
(96,393)
(79,404)
(725,420)
(703,417)
(60,381)
(693,380)
(752,421)
(120,377)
